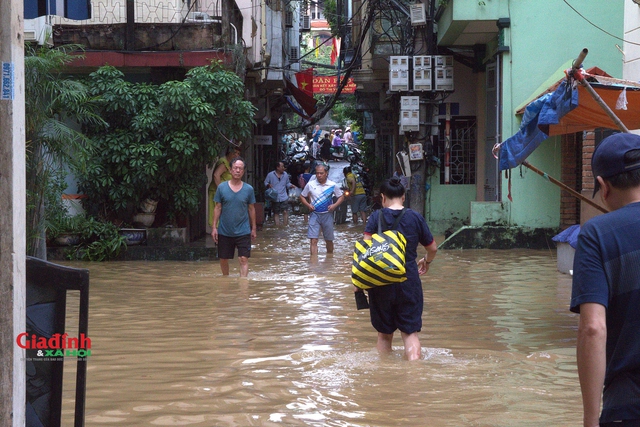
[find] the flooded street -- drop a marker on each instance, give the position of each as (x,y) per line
(175,343)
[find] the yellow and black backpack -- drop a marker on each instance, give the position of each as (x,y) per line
(381,260)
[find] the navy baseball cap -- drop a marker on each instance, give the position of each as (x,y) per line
(608,158)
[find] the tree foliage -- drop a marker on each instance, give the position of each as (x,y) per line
(159,139)
(54,104)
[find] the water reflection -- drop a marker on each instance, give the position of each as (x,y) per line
(175,343)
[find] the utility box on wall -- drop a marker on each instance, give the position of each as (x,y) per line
(398,73)
(443,71)
(409,114)
(422,68)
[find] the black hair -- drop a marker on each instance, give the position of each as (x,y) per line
(231,148)
(278,163)
(346,170)
(629,179)
(392,188)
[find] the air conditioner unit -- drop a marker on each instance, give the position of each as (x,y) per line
(200,18)
(37,30)
(305,22)
(288,19)
(294,54)
(418,14)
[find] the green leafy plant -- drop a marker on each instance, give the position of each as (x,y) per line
(99,241)
(159,139)
(53,101)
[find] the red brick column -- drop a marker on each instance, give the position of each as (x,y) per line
(588,146)
(572,177)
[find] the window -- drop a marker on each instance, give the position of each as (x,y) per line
(462,154)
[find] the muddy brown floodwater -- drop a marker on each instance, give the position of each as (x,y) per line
(177,344)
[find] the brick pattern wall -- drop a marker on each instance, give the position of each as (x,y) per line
(572,172)
(588,146)
(590,139)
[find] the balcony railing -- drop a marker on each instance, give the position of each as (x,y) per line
(159,11)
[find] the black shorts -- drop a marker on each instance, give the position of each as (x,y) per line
(227,246)
(279,207)
(397,306)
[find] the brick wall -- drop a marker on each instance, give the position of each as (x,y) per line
(589,141)
(588,146)
(572,172)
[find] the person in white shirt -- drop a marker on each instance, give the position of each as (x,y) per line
(318,196)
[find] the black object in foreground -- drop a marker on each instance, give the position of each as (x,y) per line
(361,300)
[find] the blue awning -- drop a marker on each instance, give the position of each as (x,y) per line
(538,116)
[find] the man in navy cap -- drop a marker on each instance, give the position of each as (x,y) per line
(606,289)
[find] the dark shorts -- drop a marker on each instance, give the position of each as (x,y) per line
(624,423)
(279,207)
(397,306)
(227,246)
(359,203)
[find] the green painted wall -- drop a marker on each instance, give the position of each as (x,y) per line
(446,202)
(542,37)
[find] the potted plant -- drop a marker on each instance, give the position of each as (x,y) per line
(64,230)
(99,241)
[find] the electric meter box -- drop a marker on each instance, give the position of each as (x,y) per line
(443,72)
(409,102)
(398,73)
(409,121)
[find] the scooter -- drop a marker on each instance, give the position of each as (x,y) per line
(341,152)
(298,152)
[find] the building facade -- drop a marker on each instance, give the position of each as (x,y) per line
(504,54)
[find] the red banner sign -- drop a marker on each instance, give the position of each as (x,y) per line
(328,84)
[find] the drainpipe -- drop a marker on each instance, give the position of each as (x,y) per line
(498,109)
(130,38)
(235,38)
(503,24)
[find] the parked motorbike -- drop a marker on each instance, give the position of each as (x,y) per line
(355,152)
(298,152)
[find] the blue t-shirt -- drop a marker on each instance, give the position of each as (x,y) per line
(234,218)
(606,270)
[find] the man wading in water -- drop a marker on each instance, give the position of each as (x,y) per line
(235,216)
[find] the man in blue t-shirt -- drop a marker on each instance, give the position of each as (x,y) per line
(236,218)
(606,289)
(318,196)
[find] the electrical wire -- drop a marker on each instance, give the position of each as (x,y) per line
(597,27)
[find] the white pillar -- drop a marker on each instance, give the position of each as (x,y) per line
(12,213)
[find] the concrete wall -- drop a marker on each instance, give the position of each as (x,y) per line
(447,206)
(631,34)
(543,36)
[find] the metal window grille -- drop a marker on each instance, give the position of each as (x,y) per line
(462,159)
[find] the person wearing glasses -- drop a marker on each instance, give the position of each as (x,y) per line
(235,217)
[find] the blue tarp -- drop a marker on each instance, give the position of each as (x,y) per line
(570,236)
(538,115)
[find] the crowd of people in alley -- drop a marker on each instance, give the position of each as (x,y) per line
(606,281)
